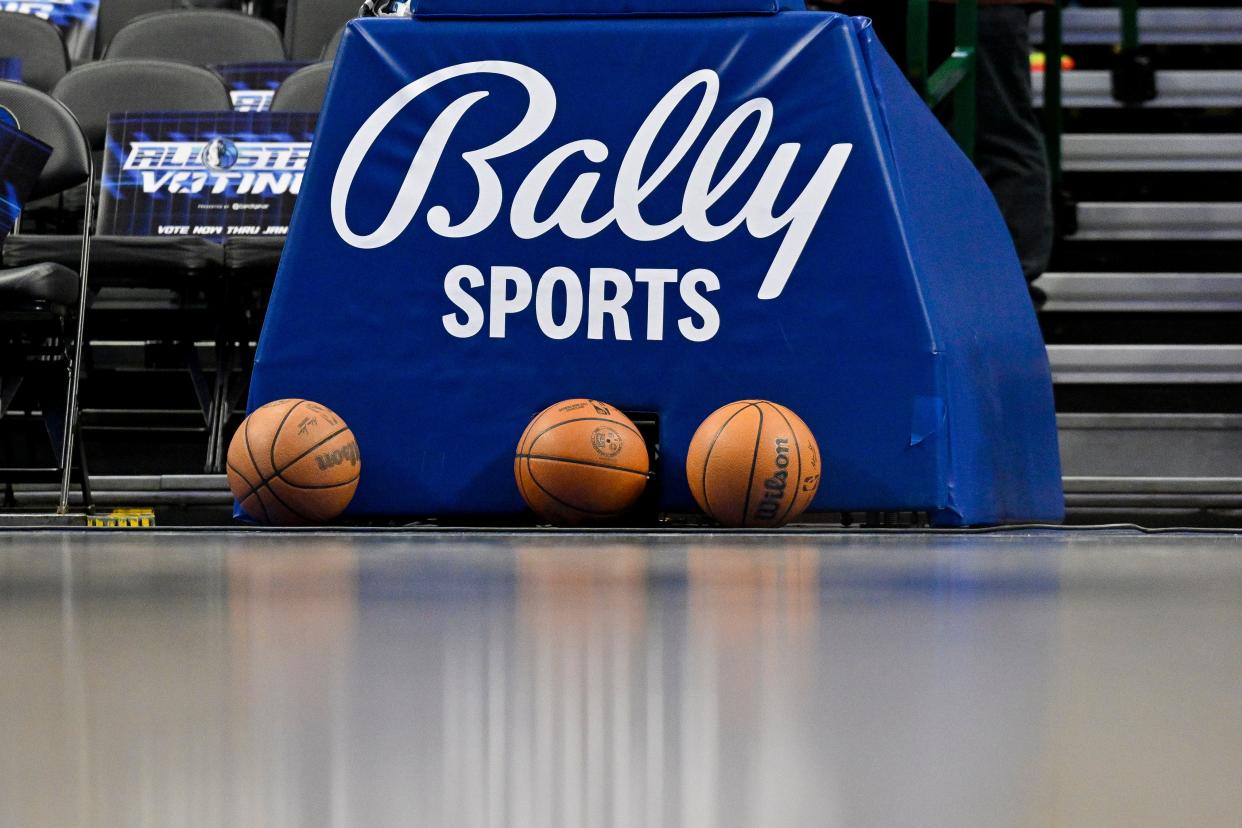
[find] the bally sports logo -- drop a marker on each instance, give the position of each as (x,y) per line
(608,290)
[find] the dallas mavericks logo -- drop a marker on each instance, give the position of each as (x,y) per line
(707,185)
(219,155)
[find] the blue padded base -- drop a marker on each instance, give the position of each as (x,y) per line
(839,256)
(590,8)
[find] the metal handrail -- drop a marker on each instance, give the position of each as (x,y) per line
(1129,25)
(1054,111)
(955,77)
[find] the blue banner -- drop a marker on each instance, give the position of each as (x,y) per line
(667,214)
(253,85)
(22,158)
(203,174)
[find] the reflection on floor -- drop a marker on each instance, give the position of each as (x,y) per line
(591,679)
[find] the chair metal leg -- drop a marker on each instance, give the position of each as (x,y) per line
(88,500)
(219,411)
(9,386)
(221,304)
(75,367)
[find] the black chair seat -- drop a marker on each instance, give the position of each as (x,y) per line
(123,261)
(251,254)
(43,282)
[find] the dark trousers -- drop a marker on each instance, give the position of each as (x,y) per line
(1009,142)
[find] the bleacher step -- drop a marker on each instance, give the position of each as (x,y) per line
(1177,89)
(1145,364)
(1143,153)
(1153,446)
(145,490)
(1167,220)
(1158,25)
(1142,292)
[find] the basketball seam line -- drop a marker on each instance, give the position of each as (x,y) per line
(242,475)
(254,488)
(634,431)
(281,501)
(707,458)
(267,517)
(798,450)
(517,462)
(253,491)
(267,485)
(590,463)
(521,482)
(279,428)
(754,461)
(267,482)
(292,462)
(531,472)
(525,431)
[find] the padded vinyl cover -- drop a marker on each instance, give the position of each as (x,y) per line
(591,8)
(903,334)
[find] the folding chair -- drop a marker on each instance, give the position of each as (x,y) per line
(43,304)
(114,15)
(311,24)
(39,45)
(187,266)
(198,36)
(304,90)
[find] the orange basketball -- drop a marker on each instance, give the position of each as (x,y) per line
(753,463)
(581,461)
(293,462)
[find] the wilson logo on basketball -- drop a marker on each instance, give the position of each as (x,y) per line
(347,454)
(774,486)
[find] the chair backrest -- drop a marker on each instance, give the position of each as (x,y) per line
(94,91)
(47,119)
(329,49)
(304,90)
(311,24)
(114,14)
(198,36)
(39,45)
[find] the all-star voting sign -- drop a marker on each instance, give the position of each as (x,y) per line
(667,206)
(203,174)
(252,86)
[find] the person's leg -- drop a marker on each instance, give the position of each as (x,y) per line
(1009,148)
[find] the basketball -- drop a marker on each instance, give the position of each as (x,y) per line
(753,464)
(581,462)
(293,462)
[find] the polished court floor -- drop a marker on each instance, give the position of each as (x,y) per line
(1026,678)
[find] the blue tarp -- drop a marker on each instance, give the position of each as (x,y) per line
(668,214)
